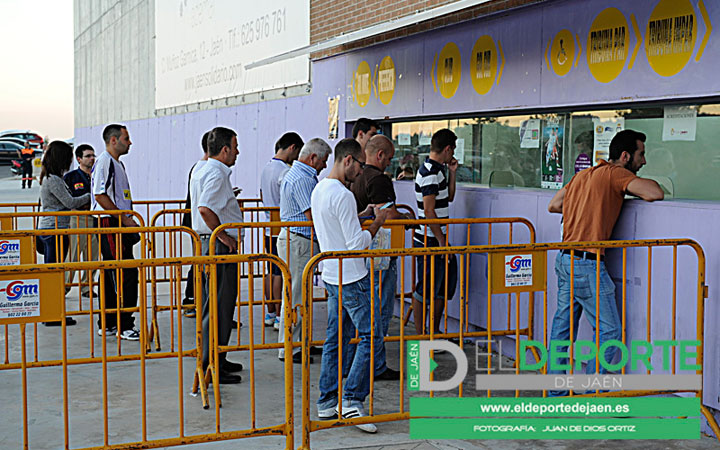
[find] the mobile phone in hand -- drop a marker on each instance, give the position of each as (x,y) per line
(387,205)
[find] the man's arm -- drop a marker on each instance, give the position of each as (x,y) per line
(452,166)
(556,204)
(429,208)
(106,202)
(308,214)
(212,221)
(645,188)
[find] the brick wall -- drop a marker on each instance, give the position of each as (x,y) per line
(330,18)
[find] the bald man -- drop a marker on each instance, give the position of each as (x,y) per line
(373,187)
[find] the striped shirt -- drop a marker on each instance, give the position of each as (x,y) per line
(431,180)
(295,192)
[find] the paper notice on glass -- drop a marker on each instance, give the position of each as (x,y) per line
(333,107)
(404,139)
(604,130)
(424,139)
(460,151)
(679,123)
(530,133)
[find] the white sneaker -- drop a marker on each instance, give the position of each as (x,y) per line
(281,354)
(130,335)
(328,414)
(112,331)
(353,412)
(276,324)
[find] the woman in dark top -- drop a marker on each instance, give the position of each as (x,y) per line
(56,196)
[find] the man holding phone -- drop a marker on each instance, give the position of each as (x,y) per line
(373,187)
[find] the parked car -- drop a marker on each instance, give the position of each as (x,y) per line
(9,150)
(36,141)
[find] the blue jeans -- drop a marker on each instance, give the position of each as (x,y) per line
(389,284)
(584,291)
(355,311)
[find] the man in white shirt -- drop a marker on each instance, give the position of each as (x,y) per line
(188,302)
(213,203)
(338,228)
(111,191)
(287,149)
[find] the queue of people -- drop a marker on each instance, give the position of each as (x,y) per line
(356,187)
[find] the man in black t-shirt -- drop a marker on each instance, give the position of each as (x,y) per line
(78,181)
(373,187)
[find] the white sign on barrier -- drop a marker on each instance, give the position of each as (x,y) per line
(9,252)
(19,298)
(202,46)
(518,270)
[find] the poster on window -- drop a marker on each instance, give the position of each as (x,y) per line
(679,123)
(552,150)
(530,133)
(604,131)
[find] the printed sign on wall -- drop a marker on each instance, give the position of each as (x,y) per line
(595,55)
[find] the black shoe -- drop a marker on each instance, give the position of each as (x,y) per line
(388,374)
(69,321)
(297,358)
(316,350)
(235,324)
(231,367)
(228,378)
(189,312)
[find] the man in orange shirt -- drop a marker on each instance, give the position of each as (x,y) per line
(590,204)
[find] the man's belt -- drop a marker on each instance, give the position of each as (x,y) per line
(300,235)
(581,254)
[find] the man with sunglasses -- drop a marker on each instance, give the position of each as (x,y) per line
(78,181)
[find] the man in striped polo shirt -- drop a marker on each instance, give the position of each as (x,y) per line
(434,190)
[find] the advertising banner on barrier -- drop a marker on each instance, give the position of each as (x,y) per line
(36,299)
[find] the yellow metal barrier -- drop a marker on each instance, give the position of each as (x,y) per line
(497,283)
(108,384)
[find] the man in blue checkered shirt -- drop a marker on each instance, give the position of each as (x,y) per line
(295,192)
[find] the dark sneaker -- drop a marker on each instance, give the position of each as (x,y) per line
(130,335)
(389,375)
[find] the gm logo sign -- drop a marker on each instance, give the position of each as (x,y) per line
(518,270)
(7,247)
(15,290)
(518,262)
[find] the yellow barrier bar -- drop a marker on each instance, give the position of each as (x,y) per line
(142,357)
(309,425)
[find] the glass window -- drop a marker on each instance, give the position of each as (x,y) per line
(545,150)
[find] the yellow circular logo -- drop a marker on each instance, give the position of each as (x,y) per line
(448,70)
(361,84)
(562,53)
(670,36)
(608,45)
(386,80)
(483,64)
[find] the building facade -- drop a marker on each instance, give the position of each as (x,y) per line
(535,90)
